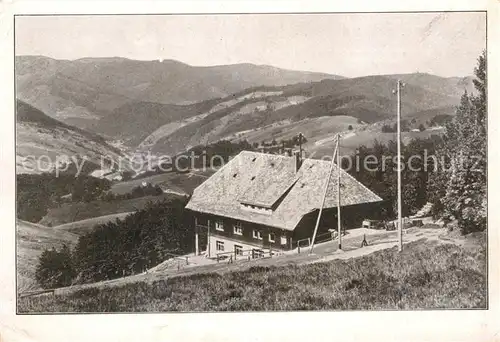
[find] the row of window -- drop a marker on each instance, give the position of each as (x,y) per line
(238,250)
(257,234)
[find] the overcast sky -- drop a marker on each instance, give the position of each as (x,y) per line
(445,44)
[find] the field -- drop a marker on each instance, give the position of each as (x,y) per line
(71,212)
(32,239)
(182,183)
(364,136)
(85,226)
(426,275)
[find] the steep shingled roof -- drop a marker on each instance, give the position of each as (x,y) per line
(263,179)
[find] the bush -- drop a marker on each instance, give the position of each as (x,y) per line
(55,268)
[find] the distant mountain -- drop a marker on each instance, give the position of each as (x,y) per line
(39,135)
(333,104)
(82,91)
(451,86)
(168,106)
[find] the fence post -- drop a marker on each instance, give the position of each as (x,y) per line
(308,241)
(217,257)
(187,260)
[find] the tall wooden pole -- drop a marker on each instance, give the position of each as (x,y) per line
(324,197)
(400,219)
(208,238)
(196,243)
(339,224)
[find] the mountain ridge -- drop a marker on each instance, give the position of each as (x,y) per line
(39,78)
(114,98)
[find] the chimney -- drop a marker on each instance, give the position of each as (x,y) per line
(298,160)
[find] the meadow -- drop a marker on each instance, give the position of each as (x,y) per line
(78,211)
(426,275)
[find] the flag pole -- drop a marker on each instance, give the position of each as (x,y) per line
(400,219)
(324,197)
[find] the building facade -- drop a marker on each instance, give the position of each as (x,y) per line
(262,203)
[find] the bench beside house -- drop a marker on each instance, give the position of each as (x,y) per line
(266,201)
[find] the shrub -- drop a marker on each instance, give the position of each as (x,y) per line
(55,268)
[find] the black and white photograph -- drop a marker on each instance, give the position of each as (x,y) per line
(253,162)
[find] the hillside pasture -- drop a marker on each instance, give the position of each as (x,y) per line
(426,275)
(350,141)
(85,226)
(31,240)
(313,129)
(182,183)
(71,212)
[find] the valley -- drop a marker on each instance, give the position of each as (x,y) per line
(120,110)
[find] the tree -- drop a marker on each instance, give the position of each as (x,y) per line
(127,175)
(461,186)
(138,242)
(55,268)
(88,189)
(387,129)
(350,127)
(421,128)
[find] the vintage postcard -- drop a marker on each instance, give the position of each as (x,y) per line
(263,162)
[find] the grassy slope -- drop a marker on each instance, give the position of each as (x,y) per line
(71,212)
(176,182)
(425,275)
(32,239)
(85,226)
(350,143)
(40,135)
(28,113)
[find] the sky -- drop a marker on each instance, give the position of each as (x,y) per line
(444,44)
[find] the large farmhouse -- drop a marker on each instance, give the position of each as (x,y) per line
(261,201)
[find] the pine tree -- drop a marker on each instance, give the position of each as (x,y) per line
(462,182)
